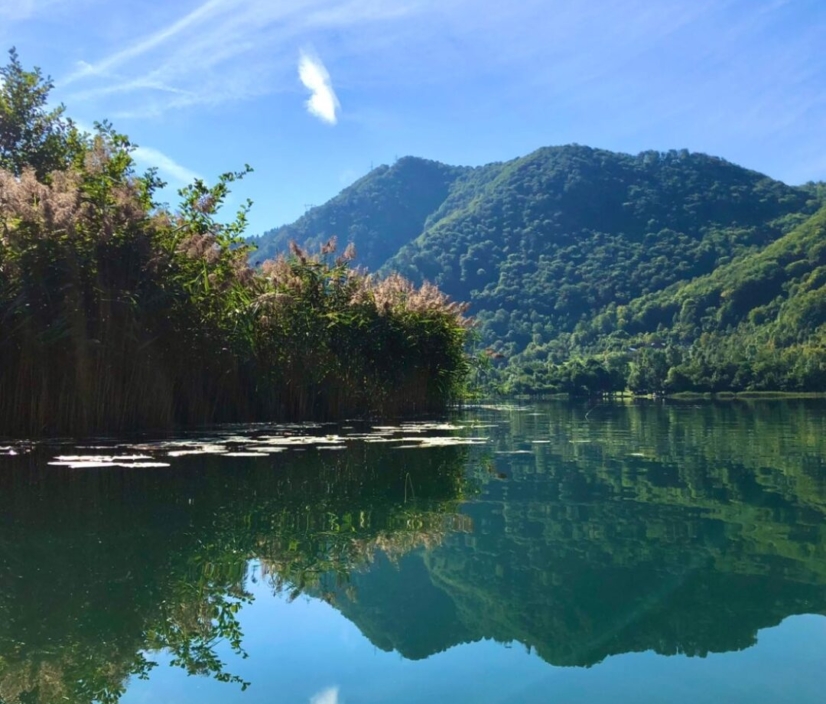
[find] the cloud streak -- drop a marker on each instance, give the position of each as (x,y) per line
(224,51)
(156,39)
(168,167)
(323,102)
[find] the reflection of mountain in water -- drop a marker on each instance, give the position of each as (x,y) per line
(648,528)
(657,527)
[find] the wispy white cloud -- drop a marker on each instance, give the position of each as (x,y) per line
(222,51)
(149,157)
(326,696)
(169,168)
(147,43)
(706,74)
(17,10)
(323,102)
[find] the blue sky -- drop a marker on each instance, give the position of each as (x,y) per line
(204,87)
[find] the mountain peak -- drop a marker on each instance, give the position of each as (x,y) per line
(543,244)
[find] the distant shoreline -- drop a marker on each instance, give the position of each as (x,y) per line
(735,395)
(683,396)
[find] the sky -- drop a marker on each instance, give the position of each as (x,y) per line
(314,93)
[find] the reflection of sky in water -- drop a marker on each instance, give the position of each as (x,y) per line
(582,531)
(307,652)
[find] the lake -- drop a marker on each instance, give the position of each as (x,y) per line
(639,552)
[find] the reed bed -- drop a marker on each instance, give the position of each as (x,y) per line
(117,314)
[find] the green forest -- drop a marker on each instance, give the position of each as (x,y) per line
(591,272)
(118,313)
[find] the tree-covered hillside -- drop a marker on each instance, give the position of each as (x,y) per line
(756,323)
(782,286)
(378,214)
(571,228)
(563,233)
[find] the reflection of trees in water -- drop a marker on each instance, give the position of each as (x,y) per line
(101,566)
(290,573)
(644,527)
(682,530)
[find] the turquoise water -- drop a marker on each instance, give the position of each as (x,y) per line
(616,553)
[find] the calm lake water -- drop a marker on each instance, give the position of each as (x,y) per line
(554,553)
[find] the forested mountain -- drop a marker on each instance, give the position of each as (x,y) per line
(564,232)
(379,213)
(780,286)
(572,251)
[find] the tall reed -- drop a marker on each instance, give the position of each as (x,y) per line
(117,314)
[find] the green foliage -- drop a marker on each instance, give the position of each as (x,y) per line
(574,377)
(31,135)
(757,323)
(118,314)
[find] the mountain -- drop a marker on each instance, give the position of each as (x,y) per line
(782,287)
(573,251)
(564,232)
(379,213)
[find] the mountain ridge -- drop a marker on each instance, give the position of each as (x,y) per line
(407,192)
(546,247)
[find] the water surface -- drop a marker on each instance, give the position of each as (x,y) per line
(617,553)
